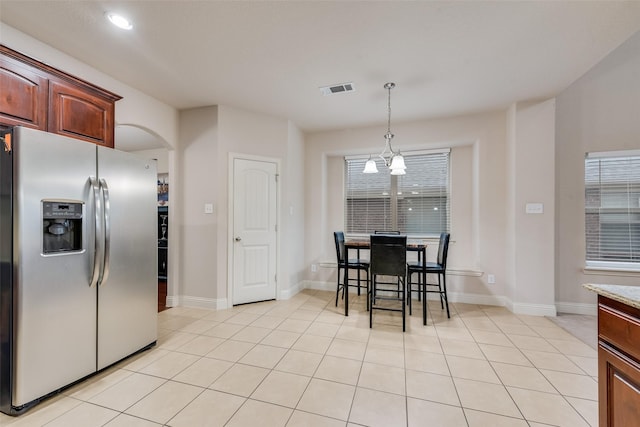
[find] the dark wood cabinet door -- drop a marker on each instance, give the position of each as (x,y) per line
(37,95)
(24,94)
(80,114)
(619,388)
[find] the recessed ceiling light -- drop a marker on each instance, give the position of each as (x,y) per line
(119,21)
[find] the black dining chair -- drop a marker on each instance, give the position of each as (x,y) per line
(422,269)
(359,265)
(388,258)
(394,233)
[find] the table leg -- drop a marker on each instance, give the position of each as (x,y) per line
(346,285)
(358,257)
(424,286)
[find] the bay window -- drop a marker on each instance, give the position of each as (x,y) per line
(416,204)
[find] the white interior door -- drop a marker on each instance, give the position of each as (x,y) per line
(254,234)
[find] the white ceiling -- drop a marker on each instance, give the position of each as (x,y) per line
(446,58)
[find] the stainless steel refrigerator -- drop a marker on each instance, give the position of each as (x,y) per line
(78,262)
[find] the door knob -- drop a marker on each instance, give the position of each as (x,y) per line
(238,239)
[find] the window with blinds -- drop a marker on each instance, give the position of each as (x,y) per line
(612,209)
(415,204)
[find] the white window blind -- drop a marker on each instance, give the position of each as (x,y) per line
(415,204)
(612,209)
(368,198)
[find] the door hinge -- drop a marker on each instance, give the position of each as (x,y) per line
(277,175)
(276,227)
(275,278)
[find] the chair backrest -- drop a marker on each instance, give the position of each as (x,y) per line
(388,254)
(443,249)
(338,236)
(393,232)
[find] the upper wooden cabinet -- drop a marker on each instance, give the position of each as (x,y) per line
(76,113)
(24,95)
(36,95)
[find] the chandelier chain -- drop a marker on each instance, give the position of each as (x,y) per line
(389,109)
(393,160)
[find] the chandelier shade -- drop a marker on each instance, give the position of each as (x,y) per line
(397,165)
(370,166)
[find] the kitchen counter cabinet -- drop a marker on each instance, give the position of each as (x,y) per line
(36,95)
(618,355)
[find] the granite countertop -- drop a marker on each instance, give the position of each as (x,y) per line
(629,295)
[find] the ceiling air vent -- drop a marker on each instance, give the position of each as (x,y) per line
(339,88)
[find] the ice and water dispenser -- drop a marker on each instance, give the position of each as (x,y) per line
(61,226)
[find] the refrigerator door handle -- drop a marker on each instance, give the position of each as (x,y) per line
(104,188)
(97,205)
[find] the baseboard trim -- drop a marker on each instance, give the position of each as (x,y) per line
(479,299)
(288,293)
(467,298)
(577,308)
(464,272)
(196,302)
(534,309)
(318,285)
(172,301)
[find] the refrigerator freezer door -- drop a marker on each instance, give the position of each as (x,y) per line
(127,295)
(54,305)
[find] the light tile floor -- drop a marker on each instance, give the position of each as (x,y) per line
(301,362)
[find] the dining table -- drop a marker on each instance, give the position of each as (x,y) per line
(364,243)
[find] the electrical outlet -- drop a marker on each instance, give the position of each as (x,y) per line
(314,268)
(491,279)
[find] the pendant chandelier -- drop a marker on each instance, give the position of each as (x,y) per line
(392,159)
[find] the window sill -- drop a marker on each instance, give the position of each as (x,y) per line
(611,271)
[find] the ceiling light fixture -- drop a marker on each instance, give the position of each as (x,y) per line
(119,21)
(392,159)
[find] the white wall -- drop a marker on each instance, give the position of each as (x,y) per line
(599,112)
(161,155)
(293,225)
(198,183)
(208,137)
(530,236)
(490,182)
(244,132)
(478,191)
(510,199)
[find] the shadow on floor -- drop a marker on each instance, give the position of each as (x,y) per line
(581,326)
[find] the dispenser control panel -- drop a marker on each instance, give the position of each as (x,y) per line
(52,210)
(61,226)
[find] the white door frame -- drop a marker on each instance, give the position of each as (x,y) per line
(230,220)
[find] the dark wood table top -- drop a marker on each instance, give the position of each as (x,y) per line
(365,243)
